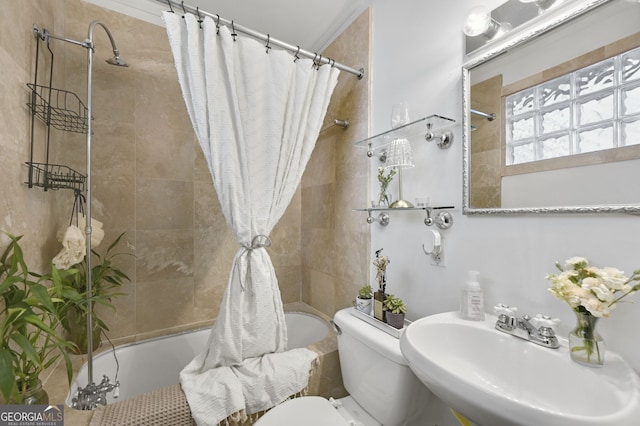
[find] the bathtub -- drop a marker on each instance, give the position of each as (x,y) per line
(156,363)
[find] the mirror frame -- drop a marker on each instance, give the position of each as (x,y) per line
(529,31)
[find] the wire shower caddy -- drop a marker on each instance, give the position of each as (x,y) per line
(62,110)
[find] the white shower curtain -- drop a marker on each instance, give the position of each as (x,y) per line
(257,117)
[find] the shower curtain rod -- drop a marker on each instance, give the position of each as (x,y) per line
(319,59)
(488,116)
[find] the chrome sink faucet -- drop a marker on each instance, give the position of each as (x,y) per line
(538,330)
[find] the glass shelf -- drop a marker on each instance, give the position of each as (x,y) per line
(389,209)
(385,209)
(443,219)
(432,123)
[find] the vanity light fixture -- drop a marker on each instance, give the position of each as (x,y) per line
(399,156)
(479,22)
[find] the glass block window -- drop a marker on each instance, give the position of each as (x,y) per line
(591,109)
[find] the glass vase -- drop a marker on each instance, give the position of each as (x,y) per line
(585,344)
(76,332)
(35,395)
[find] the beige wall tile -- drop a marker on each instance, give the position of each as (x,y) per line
(323,292)
(336,239)
(174,307)
(164,255)
(164,204)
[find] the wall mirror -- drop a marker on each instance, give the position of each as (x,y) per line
(564,89)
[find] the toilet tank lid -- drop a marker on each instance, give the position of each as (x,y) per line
(379,341)
(308,410)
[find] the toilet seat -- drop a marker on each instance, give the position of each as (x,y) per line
(312,410)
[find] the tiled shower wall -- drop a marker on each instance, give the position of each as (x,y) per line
(336,239)
(24,211)
(149,178)
(152,181)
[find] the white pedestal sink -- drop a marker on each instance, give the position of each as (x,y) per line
(495,379)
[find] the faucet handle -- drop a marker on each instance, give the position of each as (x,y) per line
(500,309)
(540,321)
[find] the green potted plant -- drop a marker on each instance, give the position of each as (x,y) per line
(395,311)
(29,315)
(106,278)
(363,300)
(384,198)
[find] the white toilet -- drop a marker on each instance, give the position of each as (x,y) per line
(383,390)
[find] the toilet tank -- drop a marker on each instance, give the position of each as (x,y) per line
(375,373)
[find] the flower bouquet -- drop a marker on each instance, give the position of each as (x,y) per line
(384,180)
(592,293)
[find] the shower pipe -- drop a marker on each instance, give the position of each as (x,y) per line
(115,60)
(318,59)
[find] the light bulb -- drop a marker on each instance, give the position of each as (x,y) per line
(477,22)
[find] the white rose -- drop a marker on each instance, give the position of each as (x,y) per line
(596,307)
(573,261)
(574,295)
(613,278)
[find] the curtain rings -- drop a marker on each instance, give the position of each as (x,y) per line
(268,41)
(233,31)
(170,6)
(183,9)
(296,57)
(218,25)
(315,56)
(199,17)
(317,64)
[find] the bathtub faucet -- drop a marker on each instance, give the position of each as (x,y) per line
(90,396)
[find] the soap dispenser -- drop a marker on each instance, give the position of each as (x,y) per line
(472,304)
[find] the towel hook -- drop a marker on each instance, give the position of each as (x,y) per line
(436,251)
(78,207)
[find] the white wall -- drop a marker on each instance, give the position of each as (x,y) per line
(606,183)
(417,56)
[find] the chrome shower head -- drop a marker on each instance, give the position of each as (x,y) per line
(116,60)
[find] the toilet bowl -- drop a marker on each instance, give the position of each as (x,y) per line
(317,411)
(383,390)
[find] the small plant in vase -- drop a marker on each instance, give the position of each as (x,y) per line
(363,301)
(395,311)
(384,180)
(380,262)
